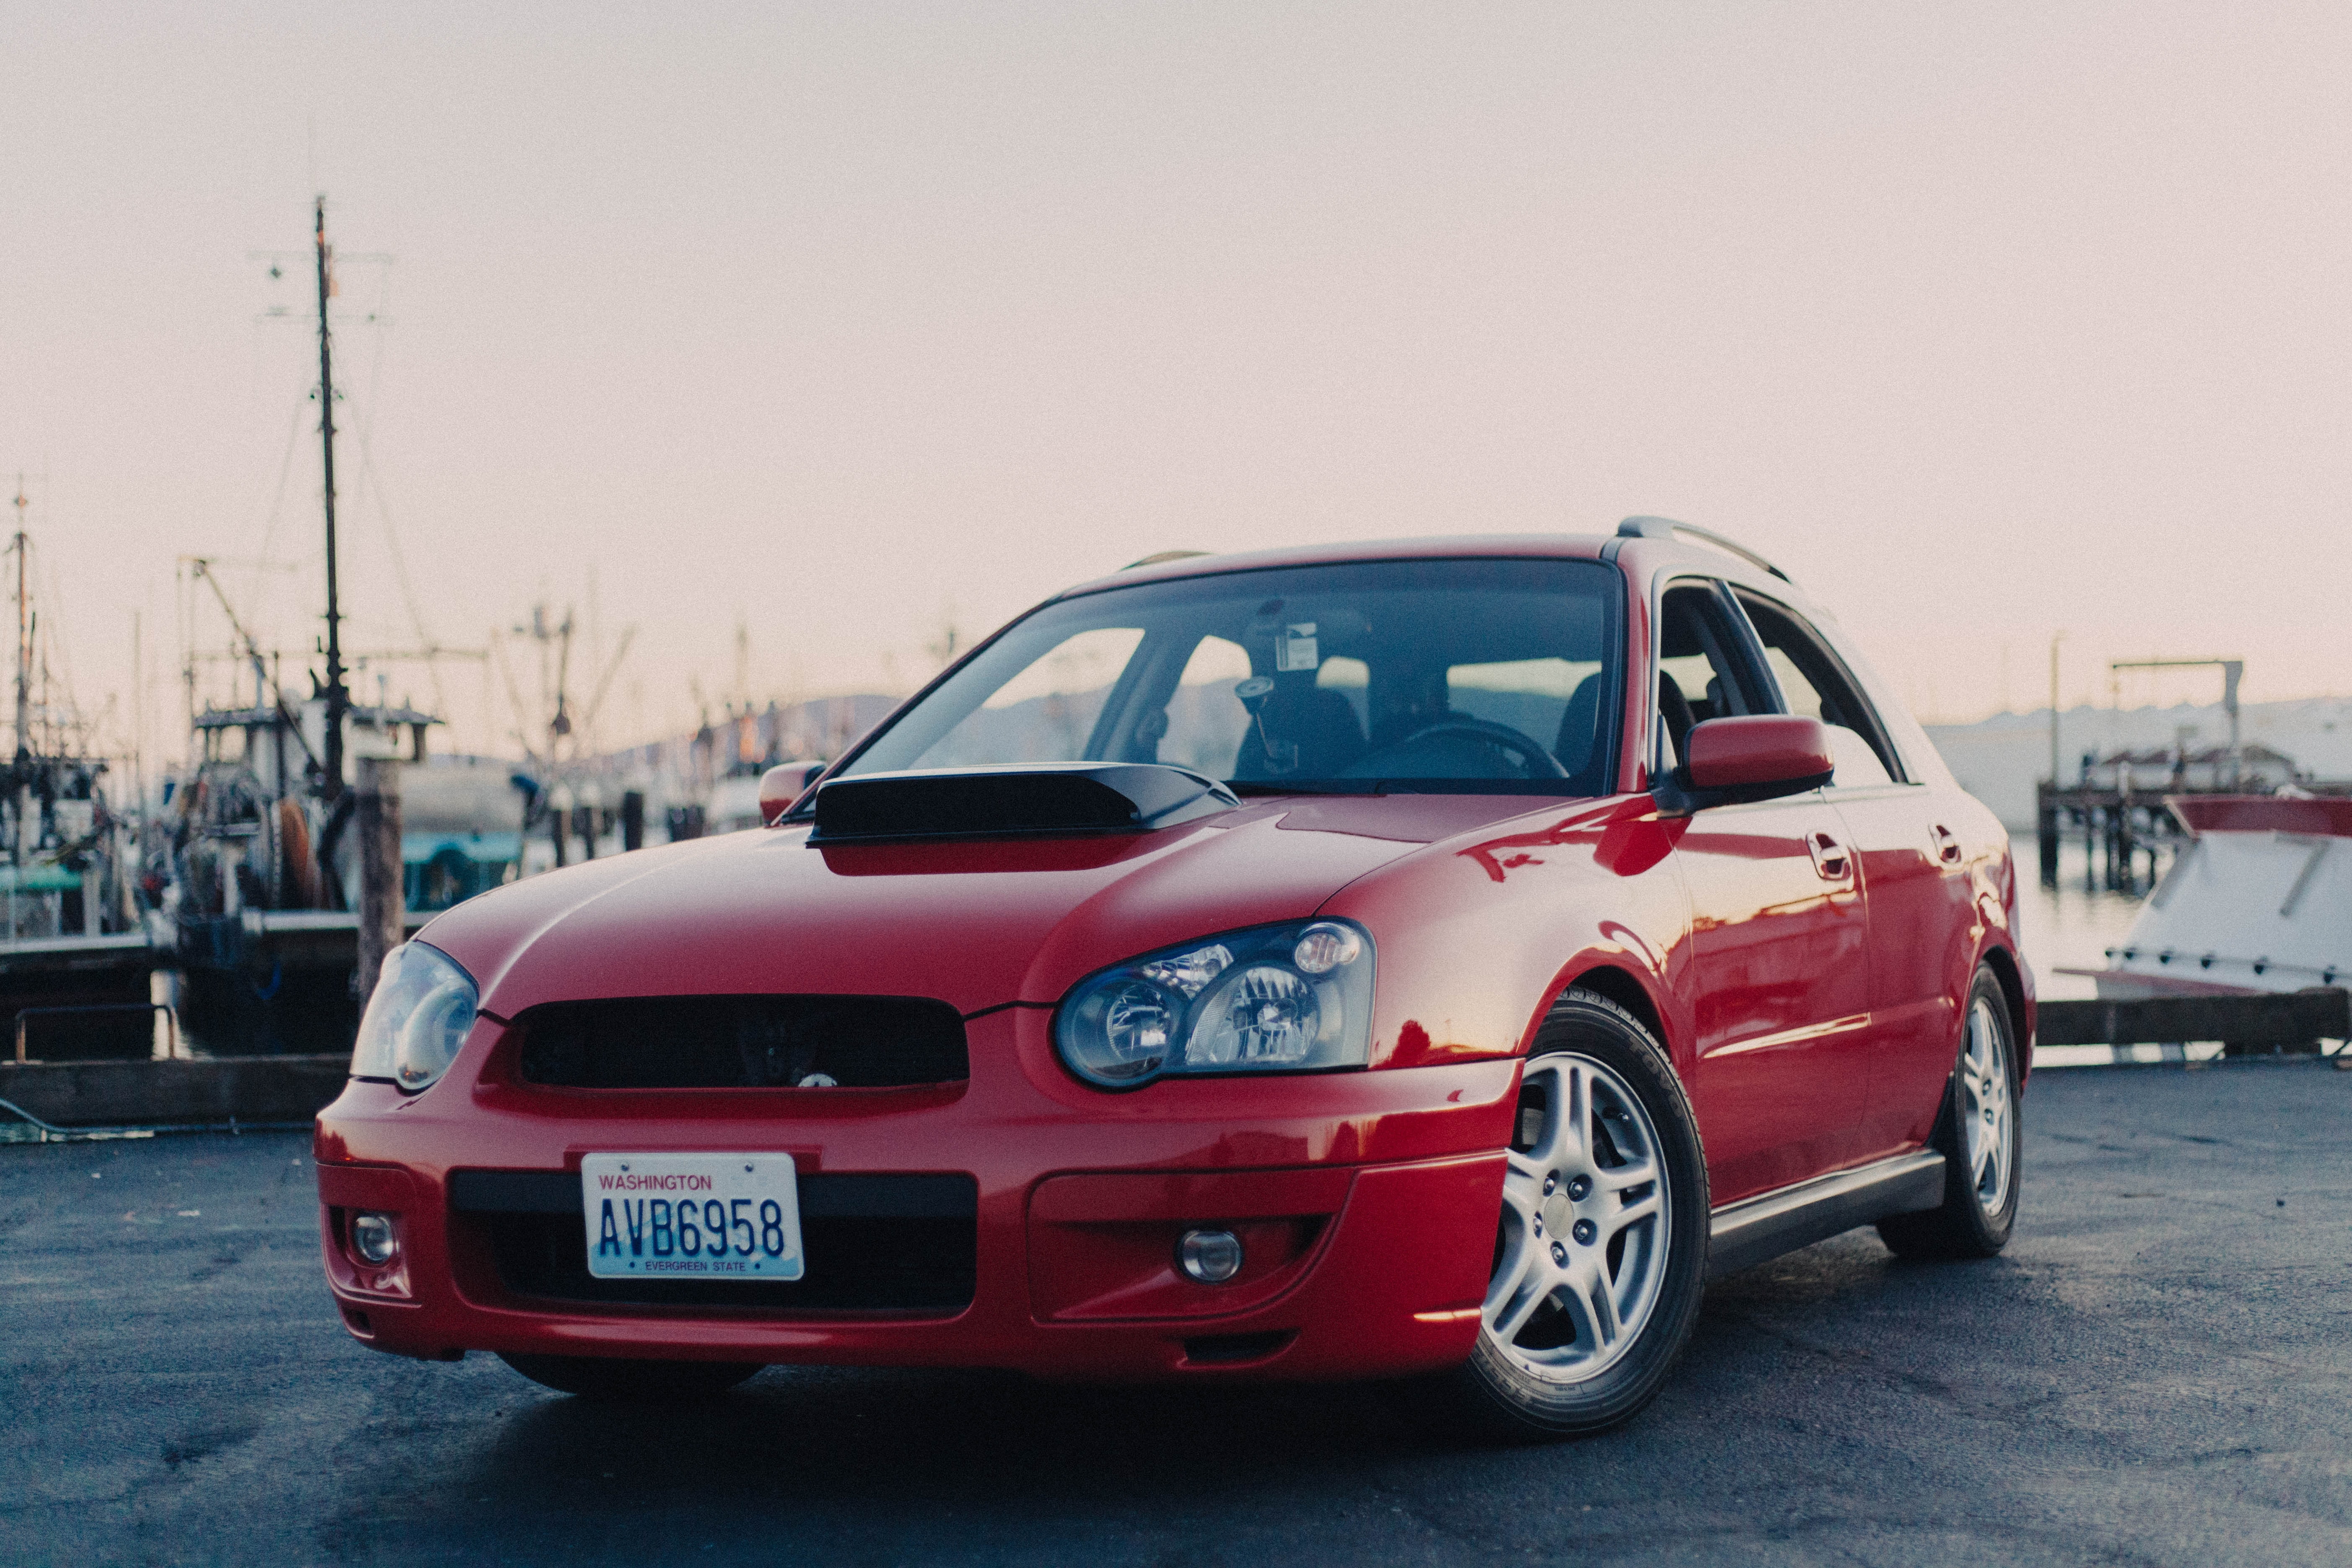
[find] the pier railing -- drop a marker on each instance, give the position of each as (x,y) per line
(2118,826)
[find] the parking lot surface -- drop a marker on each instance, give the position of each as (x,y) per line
(2158,1371)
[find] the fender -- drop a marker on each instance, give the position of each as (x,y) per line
(1993,938)
(1505,917)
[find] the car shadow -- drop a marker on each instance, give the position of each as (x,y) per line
(797,1435)
(926,1438)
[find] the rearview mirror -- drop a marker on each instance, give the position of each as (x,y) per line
(1761,756)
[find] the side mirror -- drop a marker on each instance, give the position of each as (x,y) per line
(1759,757)
(783,785)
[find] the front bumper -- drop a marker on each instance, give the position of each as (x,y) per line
(1368,1202)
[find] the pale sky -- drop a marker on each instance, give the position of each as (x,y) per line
(1985,320)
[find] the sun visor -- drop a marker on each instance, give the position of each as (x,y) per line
(1017,799)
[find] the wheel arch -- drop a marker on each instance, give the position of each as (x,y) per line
(1622,986)
(2004,966)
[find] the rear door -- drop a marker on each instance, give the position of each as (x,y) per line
(1914,887)
(1780,973)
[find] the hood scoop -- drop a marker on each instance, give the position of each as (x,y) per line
(1031,798)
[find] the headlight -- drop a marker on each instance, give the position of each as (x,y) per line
(419,1016)
(1285,999)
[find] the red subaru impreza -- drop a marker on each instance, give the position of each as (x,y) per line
(1434,958)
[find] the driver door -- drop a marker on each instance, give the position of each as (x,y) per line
(1915,882)
(1781,964)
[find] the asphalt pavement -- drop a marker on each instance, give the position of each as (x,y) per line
(2158,1371)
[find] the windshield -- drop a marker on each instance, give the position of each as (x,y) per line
(1487,675)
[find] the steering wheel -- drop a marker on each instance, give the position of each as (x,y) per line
(1534,761)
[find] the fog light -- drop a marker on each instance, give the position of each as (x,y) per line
(1212,1256)
(374,1239)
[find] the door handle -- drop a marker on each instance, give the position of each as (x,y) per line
(1947,845)
(1828,857)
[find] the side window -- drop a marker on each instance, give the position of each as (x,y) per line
(1814,683)
(1700,673)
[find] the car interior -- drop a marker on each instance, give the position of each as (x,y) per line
(1481,687)
(1375,673)
(1700,675)
(1703,673)
(1813,683)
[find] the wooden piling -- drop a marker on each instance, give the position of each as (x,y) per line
(382,916)
(559,823)
(2045,832)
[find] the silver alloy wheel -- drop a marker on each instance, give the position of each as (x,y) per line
(1581,1252)
(1988,1123)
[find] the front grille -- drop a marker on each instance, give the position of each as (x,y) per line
(873,1243)
(744,1042)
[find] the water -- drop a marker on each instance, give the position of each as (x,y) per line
(2069,926)
(232,1013)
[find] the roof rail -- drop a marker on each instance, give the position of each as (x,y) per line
(1667,527)
(1163,556)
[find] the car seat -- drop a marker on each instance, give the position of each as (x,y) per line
(1579,723)
(1320,722)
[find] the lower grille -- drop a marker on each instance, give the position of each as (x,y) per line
(744,1042)
(873,1243)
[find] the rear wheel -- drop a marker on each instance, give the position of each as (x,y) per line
(634,1382)
(1600,1252)
(1977,1136)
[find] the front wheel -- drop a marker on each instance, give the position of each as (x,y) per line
(1600,1252)
(632,1382)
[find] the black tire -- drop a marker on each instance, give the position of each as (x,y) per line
(633,1382)
(1980,1203)
(1498,1394)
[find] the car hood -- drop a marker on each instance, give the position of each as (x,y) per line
(975,923)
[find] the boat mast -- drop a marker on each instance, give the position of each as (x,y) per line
(24,634)
(337,695)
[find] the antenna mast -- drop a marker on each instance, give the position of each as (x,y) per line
(338,696)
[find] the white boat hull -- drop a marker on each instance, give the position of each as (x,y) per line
(2260,901)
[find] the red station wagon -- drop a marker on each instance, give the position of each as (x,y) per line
(1431,959)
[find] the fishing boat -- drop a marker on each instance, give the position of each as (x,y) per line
(72,947)
(257,871)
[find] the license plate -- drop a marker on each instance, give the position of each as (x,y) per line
(691,1217)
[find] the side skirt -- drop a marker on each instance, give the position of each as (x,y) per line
(1756,1230)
